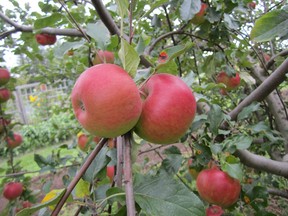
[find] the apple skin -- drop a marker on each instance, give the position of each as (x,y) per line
(103,56)
(4,76)
(230,82)
(4,123)
(266,57)
(83,142)
(217,187)
(12,190)
(45,39)
(106,101)
(5,95)
(15,141)
(199,17)
(214,211)
(168,110)
(110,171)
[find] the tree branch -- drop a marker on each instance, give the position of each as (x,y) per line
(276,192)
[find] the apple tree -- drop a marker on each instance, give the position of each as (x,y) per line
(207,76)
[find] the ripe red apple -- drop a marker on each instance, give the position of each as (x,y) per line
(103,56)
(14,141)
(45,39)
(214,211)
(5,95)
(199,17)
(4,76)
(12,190)
(83,142)
(110,171)
(230,82)
(169,108)
(217,187)
(252,5)
(106,101)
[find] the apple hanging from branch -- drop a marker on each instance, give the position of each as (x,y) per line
(4,76)
(12,190)
(14,140)
(103,56)
(231,82)
(5,95)
(45,39)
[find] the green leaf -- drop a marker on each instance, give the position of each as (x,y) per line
(155,5)
(243,142)
(175,199)
(129,57)
(270,25)
(173,161)
(216,148)
(230,22)
(82,189)
(52,20)
(189,8)
(169,67)
(234,170)
(246,111)
(66,46)
(40,160)
(122,8)
(99,32)
(215,118)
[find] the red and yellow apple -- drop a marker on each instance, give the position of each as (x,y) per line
(14,140)
(83,142)
(169,108)
(217,187)
(46,39)
(214,211)
(199,17)
(106,101)
(4,76)
(110,172)
(12,190)
(5,95)
(103,56)
(230,82)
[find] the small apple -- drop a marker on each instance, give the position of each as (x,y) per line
(103,56)
(12,190)
(214,211)
(169,108)
(199,17)
(266,57)
(5,95)
(251,5)
(4,76)
(45,39)
(106,101)
(217,187)
(110,172)
(230,82)
(14,141)
(83,142)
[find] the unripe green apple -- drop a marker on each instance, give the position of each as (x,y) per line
(103,56)
(106,101)
(12,190)
(169,108)
(4,76)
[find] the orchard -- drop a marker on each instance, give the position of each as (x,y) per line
(172,108)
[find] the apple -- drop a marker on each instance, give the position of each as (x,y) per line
(45,39)
(266,57)
(169,108)
(103,56)
(26,204)
(214,211)
(163,57)
(230,82)
(4,123)
(96,139)
(14,140)
(110,171)
(199,17)
(12,190)
(217,187)
(252,5)
(83,142)
(193,172)
(4,76)
(106,101)
(5,95)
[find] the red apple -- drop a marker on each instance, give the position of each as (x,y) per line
(169,108)
(12,190)
(217,187)
(45,39)
(4,76)
(199,17)
(252,5)
(26,204)
(230,82)
(14,141)
(266,57)
(5,95)
(103,56)
(214,211)
(83,142)
(4,123)
(110,171)
(106,101)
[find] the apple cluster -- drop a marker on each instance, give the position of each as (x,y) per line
(45,39)
(107,103)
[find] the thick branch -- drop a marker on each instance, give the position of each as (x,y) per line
(277,192)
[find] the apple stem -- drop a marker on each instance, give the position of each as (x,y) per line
(78,176)
(130,201)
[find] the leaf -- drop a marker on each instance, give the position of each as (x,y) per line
(129,57)
(82,189)
(66,46)
(99,32)
(234,170)
(230,22)
(189,8)
(215,117)
(173,161)
(155,4)
(243,142)
(189,78)
(40,160)
(270,25)
(52,20)
(175,199)
(246,111)
(122,7)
